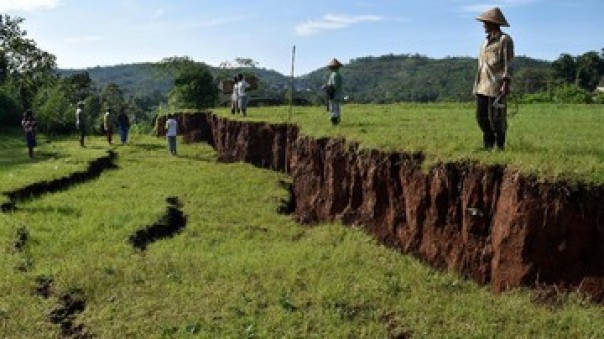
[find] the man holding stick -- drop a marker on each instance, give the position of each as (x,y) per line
(492,84)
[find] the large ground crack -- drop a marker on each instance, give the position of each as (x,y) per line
(169,224)
(94,170)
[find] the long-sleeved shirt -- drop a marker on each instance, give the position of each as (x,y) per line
(494,64)
(335,80)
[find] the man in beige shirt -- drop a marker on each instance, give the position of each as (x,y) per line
(492,84)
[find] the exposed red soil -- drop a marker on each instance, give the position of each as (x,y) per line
(489,223)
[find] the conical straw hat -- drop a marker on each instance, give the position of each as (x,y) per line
(334,63)
(495,16)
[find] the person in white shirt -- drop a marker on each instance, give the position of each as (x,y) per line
(108,126)
(234,97)
(242,87)
(171,132)
(81,122)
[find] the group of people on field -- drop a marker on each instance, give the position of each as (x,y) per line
(122,121)
(491,88)
(109,122)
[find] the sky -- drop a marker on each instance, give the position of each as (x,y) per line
(90,33)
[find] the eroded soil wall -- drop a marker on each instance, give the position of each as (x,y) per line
(488,223)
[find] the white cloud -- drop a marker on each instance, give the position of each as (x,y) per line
(331,22)
(28,5)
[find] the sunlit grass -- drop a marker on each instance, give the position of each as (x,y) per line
(550,140)
(238,269)
(51,161)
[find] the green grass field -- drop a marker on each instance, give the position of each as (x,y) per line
(554,142)
(240,269)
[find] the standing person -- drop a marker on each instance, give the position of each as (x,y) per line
(123,123)
(108,125)
(81,122)
(333,88)
(492,84)
(171,132)
(234,97)
(242,99)
(29,126)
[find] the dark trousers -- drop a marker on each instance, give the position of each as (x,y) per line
(82,131)
(492,121)
(123,134)
(109,134)
(172,144)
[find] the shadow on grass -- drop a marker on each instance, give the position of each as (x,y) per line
(18,157)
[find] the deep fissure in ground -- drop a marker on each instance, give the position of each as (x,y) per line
(491,224)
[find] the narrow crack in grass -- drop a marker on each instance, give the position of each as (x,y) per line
(95,169)
(169,224)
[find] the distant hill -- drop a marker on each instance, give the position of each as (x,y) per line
(395,78)
(383,79)
(143,79)
(134,79)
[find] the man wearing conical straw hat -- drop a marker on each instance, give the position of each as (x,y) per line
(492,84)
(333,89)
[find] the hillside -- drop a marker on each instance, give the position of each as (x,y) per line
(396,78)
(383,79)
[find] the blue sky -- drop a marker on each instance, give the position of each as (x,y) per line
(88,33)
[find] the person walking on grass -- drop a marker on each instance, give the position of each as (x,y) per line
(123,124)
(171,132)
(242,99)
(492,84)
(333,89)
(108,125)
(81,122)
(29,125)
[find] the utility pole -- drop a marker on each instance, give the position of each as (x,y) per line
(291,85)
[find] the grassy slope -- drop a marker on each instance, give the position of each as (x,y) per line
(552,141)
(239,269)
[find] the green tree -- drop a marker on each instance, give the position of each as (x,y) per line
(21,61)
(589,69)
(54,111)
(79,86)
(565,69)
(112,97)
(194,85)
(10,106)
(531,80)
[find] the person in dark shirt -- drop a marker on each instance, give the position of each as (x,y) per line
(29,126)
(123,123)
